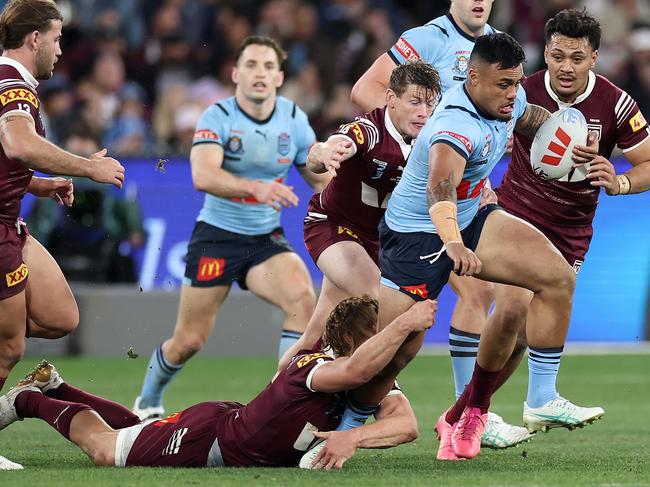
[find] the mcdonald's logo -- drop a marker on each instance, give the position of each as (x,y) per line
(210,268)
(417,290)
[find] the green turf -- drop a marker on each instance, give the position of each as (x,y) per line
(614,451)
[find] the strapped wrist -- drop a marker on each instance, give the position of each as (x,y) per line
(444,215)
(624,185)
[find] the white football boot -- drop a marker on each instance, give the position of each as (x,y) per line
(559,413)
(309,456)
(500,435)
(150,413)
(7,403)
(6,464)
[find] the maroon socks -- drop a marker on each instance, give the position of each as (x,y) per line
(58,414)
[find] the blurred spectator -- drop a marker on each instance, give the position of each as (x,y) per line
(58,107)
(637,83)
(129,134)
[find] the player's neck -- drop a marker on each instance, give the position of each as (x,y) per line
(257,111)
(475,34)
(22,57)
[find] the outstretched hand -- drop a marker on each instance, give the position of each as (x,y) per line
(105,169)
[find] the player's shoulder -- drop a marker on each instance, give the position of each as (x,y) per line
(225,107)
(289,108)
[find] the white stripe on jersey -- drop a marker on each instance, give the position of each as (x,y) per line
(623,107)
(373,133)
(5,83)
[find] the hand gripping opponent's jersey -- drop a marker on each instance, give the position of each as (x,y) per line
(363,185)
(571,200)
(477,137)
(17,94)
(253,149)
(440,43)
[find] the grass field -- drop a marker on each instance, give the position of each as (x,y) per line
(614,451)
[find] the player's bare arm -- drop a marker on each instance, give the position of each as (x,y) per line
(316,181)
(59,189)
(346,373)
(446,168)
(532,120)
(395,425)
(369,92)
(209,176)
(327,156)
(636,180)
(21,142)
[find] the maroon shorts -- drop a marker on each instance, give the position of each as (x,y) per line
(184,439)
(320,232)
(13,271)
(572,242)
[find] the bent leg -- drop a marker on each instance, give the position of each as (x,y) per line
(51,307)
(12,333)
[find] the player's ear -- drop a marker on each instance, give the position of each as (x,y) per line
(473,75)
(594,58)
(280,79)
(390,98)
(234,74)
(546,55)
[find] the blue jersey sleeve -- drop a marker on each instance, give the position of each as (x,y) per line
(211,127)
(458,130)
(305,137)
(424,42)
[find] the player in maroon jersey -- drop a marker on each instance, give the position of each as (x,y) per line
(273,430)
(562,209)
(367,158)
(35,299)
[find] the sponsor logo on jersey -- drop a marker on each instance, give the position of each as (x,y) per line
(358,133)
(18,94)
(460,138)
(174,444)
(234,145)
(637,122)
(205,134)
(347,231)
(577,264)
(556,148)
(284,143)
(16,277)
(171,419)
(461,63)
(406,50)
(210,268)
(417,290)
(380,167)
(307,359)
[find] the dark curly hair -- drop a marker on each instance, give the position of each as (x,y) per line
(576,24)
(417,73)
(349,325)
(500,48)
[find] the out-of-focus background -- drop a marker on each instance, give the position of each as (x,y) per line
(136,75)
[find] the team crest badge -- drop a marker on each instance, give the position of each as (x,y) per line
(234,145)
(461,63)
(284,143)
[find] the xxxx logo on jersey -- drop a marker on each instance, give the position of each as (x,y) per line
(347,231)
(309,358)
(17,276)
(18,94)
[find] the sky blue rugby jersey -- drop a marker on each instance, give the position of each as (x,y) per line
(442,44)
(253,150)
(479,138)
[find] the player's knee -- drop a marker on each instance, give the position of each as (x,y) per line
(181,348)
(411,431)
(511,318)
(520,345)
(477,296)
(565,280)
(103,457)
(11,351)
(301,300)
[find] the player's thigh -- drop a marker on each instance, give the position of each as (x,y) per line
(50,302)
(198,308)
(514,252)
(392,303)
(283,280)
(348,266)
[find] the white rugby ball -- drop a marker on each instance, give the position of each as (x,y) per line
(551,151)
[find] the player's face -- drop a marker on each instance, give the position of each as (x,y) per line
(257,73)
(410,111)
(48,50)
(569,60)
(494,90)
(472,14)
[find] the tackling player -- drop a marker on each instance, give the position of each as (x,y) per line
(564,209)
(273,430)
(366,159)
(447,42)
(35,299)
(243,149)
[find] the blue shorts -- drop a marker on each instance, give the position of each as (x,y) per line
(416,263)
(217,257)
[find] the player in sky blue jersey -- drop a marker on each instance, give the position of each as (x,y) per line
(446,43)
(465,136)
(243,149)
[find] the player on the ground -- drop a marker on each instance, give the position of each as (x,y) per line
(433,225)
(243,149)
(35,299)
(447,42)
(273,430)
(366,158)
(562,209)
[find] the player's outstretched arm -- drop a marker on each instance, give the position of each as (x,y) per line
(21,142)
(369,92)
(208,176)
(395,425)
(372,356)
(637,180)
(327,156)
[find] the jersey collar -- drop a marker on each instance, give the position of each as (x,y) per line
(390,128)
(31,81)
(461,31)
(591,82)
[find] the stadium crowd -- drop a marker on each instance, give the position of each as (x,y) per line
(135,76)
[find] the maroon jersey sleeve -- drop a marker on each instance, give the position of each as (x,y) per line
(305,366)
(363,134)
(19,97)
(631,127)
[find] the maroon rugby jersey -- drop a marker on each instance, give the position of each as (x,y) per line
(276,428)
(360,191)
(17,92)
(570,201)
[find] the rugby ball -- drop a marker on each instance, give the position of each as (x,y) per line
(551,151)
